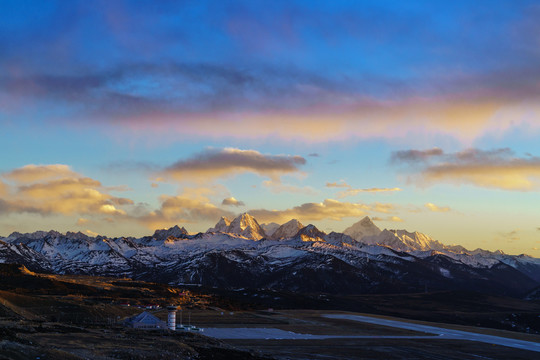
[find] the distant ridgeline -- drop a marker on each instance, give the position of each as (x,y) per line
(242,253)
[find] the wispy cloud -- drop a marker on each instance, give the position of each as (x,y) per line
(414,156)
(389,218)
(350,191)
(435,208)
(82,221)
(277,186)
(510,236)
(340,184)
(91,233)
(497,169)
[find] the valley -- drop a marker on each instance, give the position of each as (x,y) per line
(77,316)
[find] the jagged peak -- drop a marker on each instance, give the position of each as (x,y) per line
(294,221)
(270,228)
(174,231)
(362,228)
(244,225)
(311,230)
(77,235)
(310,233)
(404,240)
(34,235)
(288,230)
(366,220)
(221,226)
(225,220)
(244,219)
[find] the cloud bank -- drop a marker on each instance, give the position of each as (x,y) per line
(495,169)
(328,209)
(57,189)
(253,74)
(216,163)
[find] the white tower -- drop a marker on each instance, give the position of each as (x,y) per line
(171,318)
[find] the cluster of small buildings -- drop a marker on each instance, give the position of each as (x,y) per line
(147,306)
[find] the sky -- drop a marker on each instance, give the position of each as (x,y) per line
(121,117)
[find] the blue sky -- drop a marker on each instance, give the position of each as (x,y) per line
(121,117)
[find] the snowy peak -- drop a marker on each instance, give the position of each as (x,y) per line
(270,229)
(175,231)
(403,240)
(287,230)
(221,226)
(247,226)
(78,236)
(33,236)
(419,240)
(244,225)
(362,228)
(310,233)
(242,222)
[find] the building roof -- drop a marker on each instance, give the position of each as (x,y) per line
(145,318)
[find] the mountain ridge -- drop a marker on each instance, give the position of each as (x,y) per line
(310,260)
(244,225)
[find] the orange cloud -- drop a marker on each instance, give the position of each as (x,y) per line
(463,118)
(390,218)
(435,208)
(231,201)
(3,188)
(32,173)
(214,163)
(516,175)
(497,169)
(341,184)
(352,191)
(91,233)
(277,186)
(328,209)
(383,208)
(190,207)
(82,221)
(56,189)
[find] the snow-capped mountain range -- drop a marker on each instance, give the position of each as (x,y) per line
(244,225)
(291,256)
